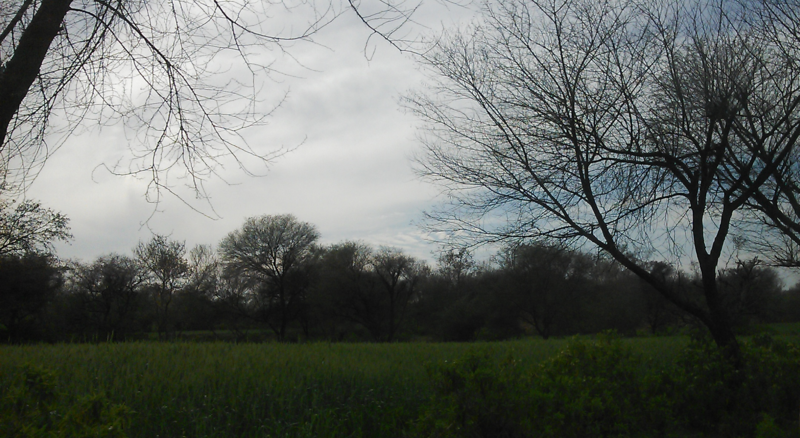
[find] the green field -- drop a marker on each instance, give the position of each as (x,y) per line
(275,390)
(219,389)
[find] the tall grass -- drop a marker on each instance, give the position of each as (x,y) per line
(276,390)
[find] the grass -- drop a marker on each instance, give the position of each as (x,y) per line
(276,390)
(785,329)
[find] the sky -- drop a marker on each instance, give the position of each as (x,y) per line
(349,173)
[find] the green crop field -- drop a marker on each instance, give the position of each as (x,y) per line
(219,389)
(275,390)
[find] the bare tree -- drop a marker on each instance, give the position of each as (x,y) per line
(167,272)
(614,124)
(268,258)
(198,64)
(184,77)
(768,126)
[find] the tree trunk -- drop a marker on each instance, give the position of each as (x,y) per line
(722,333)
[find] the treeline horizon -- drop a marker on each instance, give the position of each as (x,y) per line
(271,276)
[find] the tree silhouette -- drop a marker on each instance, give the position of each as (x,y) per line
(629,126)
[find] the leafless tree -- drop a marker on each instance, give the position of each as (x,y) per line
(768,125)
(184,77)
(617,124)
(167,272)
(181,75)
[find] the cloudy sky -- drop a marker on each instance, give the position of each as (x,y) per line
(350,173)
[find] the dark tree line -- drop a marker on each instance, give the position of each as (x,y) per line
(272,278)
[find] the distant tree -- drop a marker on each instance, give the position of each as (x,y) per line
(225,295)
(27,284)
(344,292)
(790,304)
(659,312)
(450,308)
(167,272)
(27,227)
(399,280)
(106,298)
(205,269)
(546,283)
(368,288)
(455,265)
(268,259)
(750,292)
(614,299)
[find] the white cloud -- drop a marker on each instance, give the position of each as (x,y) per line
(351,176)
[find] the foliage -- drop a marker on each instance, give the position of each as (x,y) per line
(30,228)
(589,389)
(27,285)
(32,407)
(238,390)
(603,389)
(713,397)
(560,388)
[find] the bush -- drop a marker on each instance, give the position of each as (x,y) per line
(598,389)
(712,397)
(472,399)
(602,389)
(591,389)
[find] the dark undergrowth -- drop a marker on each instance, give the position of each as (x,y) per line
(602,388)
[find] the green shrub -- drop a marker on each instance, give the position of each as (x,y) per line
(712,397)
(602,389)
(597,389)
(591,389)
(30,406)
(473,399)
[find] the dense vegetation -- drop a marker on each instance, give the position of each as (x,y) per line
(658,386)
